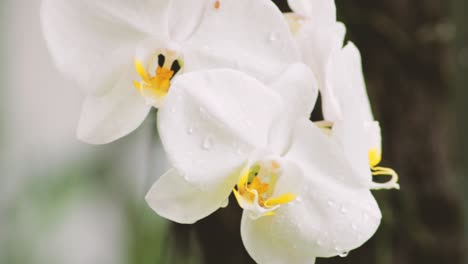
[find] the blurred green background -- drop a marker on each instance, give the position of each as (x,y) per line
(65,202)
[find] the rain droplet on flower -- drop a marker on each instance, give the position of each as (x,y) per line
(190,130)
(331,203)
(354,226)
(207,143)
(299,199)
(344,254)
(319,242)
(272,36)
(343,210)
(365,217)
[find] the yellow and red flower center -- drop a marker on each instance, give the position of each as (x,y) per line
(156,77)
(256,187)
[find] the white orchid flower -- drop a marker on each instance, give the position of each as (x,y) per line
(230,133)
(345,103)
(351,118)
(318,35)
(125,54)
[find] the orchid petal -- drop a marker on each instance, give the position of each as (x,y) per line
(185,16)
(212,120)
(108,117)
(92,41)
(320,11)
(331,214)
(251,36)
(176,199)
(346,85)
(317,45)
(297,87)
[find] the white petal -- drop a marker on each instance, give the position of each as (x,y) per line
(185,16)
(265,245)
(317,44)
(212,120)
(176,199)
(251,36)
(91,41)
(330,215)
(346,84)
(352,136)
(110,116)
(298,89)
(320,11)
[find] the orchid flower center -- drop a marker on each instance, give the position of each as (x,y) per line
(256,188)
(156,77)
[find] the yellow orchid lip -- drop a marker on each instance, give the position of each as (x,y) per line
(155,86)
(256,187)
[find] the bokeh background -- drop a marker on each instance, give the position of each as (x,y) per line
(65,202)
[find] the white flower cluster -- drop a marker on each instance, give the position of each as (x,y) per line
(235,82)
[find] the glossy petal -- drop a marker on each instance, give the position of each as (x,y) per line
(298,88)
(176,199)
(212,120)
(251,36)
(345,84)
(330,216)
(319,11)
(108,117)
(92,41)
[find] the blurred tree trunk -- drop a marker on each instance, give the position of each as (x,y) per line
(405,45)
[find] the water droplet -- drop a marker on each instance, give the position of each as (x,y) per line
(331,203)
(343,210)
(272,36)
(190,130)
(207,143)
(354,226)
(344,254)
(299,199)
(203,112)
(319,242)
(365,217)
(173,109)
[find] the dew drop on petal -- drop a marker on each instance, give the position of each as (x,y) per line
(207,143)
(272,36)
(343,210)
(190,130)
(331,203)
(365,217)
(344,254)
(319,242)
(354,226)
